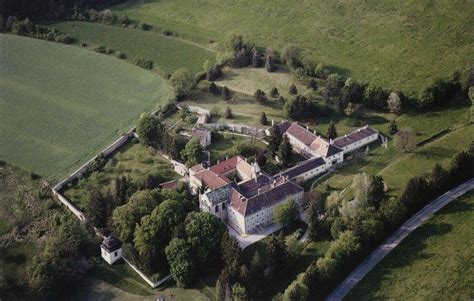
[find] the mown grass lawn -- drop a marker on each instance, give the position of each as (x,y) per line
(61,104)
(227,146)
(401,47)
(245,108)
(134,161)
(248,80)
(167,53)
(435,262)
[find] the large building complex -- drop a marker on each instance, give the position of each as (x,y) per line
(243,196)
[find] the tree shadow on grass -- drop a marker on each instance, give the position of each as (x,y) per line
(434,153)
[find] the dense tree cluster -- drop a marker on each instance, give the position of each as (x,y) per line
(63,260)
(27,28)
(357,226)
(152,132)
(53,9)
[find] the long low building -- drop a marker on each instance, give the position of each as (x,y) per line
(356,139)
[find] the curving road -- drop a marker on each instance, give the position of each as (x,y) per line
(378,254)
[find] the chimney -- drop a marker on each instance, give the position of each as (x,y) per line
(227,157)
(258,191)
(314,132)
(307,128)
(273,122)
(331,141)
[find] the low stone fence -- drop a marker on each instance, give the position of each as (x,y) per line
(236,128)
(144,277)
(109,150)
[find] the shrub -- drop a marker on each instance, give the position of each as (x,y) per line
(143,63)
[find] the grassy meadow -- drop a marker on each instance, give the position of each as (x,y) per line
(248,80)
(167,53)
(61,104)
(401,46)
(433,263)
(25,222)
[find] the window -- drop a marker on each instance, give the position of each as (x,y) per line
(115,253)
(223,206)
(216,209)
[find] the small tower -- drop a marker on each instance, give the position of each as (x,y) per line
(255,170)
(111,249)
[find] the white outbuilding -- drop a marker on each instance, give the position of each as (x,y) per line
(111,249)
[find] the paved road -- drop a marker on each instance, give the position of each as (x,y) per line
(378,254)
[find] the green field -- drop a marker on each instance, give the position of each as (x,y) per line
(167,53)
(399,46)
(248,80)
(61,104)
(435,262)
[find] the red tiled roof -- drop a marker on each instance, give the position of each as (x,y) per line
(225,166)
(211,180)
(301,133)
(169,185)
(355,136)
(323,148)
(196,168)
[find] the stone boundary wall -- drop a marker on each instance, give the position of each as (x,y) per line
(236,128)
(108,151)
(144,277)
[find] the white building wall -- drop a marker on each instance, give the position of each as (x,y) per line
(235,220)
(361,143)
(112,256)
(264,217)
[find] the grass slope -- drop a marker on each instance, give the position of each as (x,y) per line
(167,53)
(61,104)
(433,263)
(397,45)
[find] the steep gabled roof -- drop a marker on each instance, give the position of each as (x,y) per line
(324,148)
(354,136)
(283,126)
(211,180)
(301,133)
(272,197)
(268,198)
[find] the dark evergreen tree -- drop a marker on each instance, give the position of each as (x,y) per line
(277,252)
(261,159)
(274,140)
(270,64)
(256,61)
(98,208)
(274,92)
(214,89)
(284,151)
(293,90)
(263,119)
(257,274)
(313,85)
(260,96)
(416,194)
(332,132)
(227,93)
(392,127)
(439,179)
(230,250)
(376,193)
